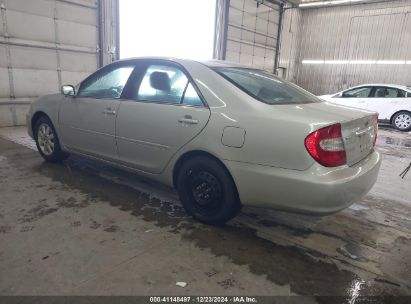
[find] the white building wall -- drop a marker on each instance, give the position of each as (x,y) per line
(43,45)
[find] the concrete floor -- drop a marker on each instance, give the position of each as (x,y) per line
(82,228)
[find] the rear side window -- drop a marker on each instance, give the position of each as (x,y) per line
(163,84)
(191,97)
(384,92)
(266,87)
(169,85)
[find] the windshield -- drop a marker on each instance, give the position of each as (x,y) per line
(266,87)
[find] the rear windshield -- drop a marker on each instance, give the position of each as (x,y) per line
(266,87)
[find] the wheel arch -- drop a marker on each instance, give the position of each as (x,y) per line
(190,154)
(36,117)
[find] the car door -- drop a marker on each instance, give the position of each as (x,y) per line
(88,119)
(163,113)
(355,97)
(385,101)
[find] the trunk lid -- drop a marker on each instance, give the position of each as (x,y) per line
(358,126)
(358,136)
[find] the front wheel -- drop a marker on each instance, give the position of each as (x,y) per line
(207,191)
(47,141)
(402,121)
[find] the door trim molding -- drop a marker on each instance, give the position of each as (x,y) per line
(146,143)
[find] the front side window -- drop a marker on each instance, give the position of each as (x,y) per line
(106,85)
(167,84)
(384,92)
(266,87)
(357,92)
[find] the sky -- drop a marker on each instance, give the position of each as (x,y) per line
(177,28)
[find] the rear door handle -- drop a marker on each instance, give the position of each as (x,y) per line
(188,120)
(109,111)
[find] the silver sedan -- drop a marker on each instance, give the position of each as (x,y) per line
(223,135)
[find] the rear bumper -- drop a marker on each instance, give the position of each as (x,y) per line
(318,190)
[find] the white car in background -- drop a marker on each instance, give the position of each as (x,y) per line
(392,102)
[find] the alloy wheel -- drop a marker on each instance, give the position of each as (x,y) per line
(403,121)
(45,138)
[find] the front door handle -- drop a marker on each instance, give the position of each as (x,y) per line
(109,111)
(188,119)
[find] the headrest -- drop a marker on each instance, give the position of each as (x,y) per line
(160,81)
(382,92)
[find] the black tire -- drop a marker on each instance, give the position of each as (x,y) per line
(55,154)
(402,121)
(207,191)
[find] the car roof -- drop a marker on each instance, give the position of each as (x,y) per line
(210,63)
(397,86)
(224,64)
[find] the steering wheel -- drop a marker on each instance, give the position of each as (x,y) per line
(116,91)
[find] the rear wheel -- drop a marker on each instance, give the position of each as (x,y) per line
(402,121)
(207,191)
(47,141)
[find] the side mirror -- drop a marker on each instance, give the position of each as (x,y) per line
(68,90)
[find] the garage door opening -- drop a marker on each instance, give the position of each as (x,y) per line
(179,28)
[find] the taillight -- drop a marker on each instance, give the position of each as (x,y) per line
(326,146)
(376,131)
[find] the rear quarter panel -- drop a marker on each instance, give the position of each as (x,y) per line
(393,106)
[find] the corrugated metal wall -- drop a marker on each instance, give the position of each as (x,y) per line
(252,33)
(44,44)
(290,44)
(356,44)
